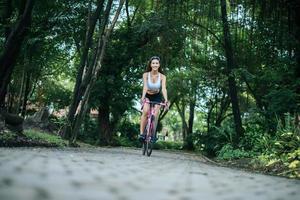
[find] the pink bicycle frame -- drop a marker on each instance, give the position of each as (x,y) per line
(150,124)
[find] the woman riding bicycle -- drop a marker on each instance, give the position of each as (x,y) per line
(154,87)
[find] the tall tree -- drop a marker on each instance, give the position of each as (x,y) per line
(79,87)
(294,19)
(12,48)
(95,69)
(231,78)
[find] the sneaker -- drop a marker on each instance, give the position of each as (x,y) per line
(142,137)
(154,139)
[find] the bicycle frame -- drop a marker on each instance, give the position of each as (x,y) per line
(151,117)
(150,126)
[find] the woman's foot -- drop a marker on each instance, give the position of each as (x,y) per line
(154,139)
(142,137)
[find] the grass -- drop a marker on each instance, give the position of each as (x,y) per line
(31,137)
(45,137)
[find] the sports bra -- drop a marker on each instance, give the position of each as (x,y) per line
(153,86)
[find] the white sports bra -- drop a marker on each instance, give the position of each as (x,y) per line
(153,86)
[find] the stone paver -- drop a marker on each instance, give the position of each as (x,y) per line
(123,174)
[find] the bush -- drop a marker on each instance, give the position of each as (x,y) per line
(228,152)
(168,145)
(45,137)
(282,154)
(128,130)
(89,132)
(125,142)
(212,142)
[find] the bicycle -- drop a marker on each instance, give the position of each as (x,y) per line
(149,131)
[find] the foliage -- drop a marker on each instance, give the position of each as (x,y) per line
(256,138)
(228,152)
(45,137)
(89,131)
(168,145)
(31,137)
(128,130)
(7,136)
(287,164)
(125,142)
(53,92)
(279,154)
(285,150)
(211,142)
(58,121)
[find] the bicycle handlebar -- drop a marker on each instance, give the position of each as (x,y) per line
(153,102)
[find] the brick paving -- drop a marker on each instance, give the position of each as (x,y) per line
(124,174)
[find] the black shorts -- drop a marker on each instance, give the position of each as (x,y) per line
(154,97)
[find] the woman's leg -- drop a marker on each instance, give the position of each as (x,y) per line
(156,114)
(144,117)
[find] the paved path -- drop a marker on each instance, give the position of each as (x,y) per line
(124,174)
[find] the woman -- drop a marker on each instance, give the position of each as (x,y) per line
(154,87)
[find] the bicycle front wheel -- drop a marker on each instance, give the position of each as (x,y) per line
(150,139)
(145,146)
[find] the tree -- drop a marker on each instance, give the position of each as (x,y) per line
(231,79)
(95,68)
(83,65)
(12,47)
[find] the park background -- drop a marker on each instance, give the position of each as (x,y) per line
(71,75)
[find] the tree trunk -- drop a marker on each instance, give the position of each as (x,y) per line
(77,124)
(231,79)
(26,93)
(295,15)
(209,116)
(224,104)
(189,139)
(12,48)
(184,124)
(21,92)
(78,92)
(105,136)
(96,69)
(86,85)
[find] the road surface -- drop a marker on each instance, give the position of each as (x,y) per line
(124,174)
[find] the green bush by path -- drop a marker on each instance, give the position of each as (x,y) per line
(159,145)
(228,152)
(31,138)
(168,145)
(45,137)
(283,158)
(278,154)
(125,142)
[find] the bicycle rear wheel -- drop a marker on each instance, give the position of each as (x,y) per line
(149,148)
(144,148)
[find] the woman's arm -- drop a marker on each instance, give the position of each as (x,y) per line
(144,85)
(164,88)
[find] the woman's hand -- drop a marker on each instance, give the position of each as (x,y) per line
(167,105)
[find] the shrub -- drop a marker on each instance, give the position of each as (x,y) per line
(168,145)
(45,137)
(125,142)
(228,152)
